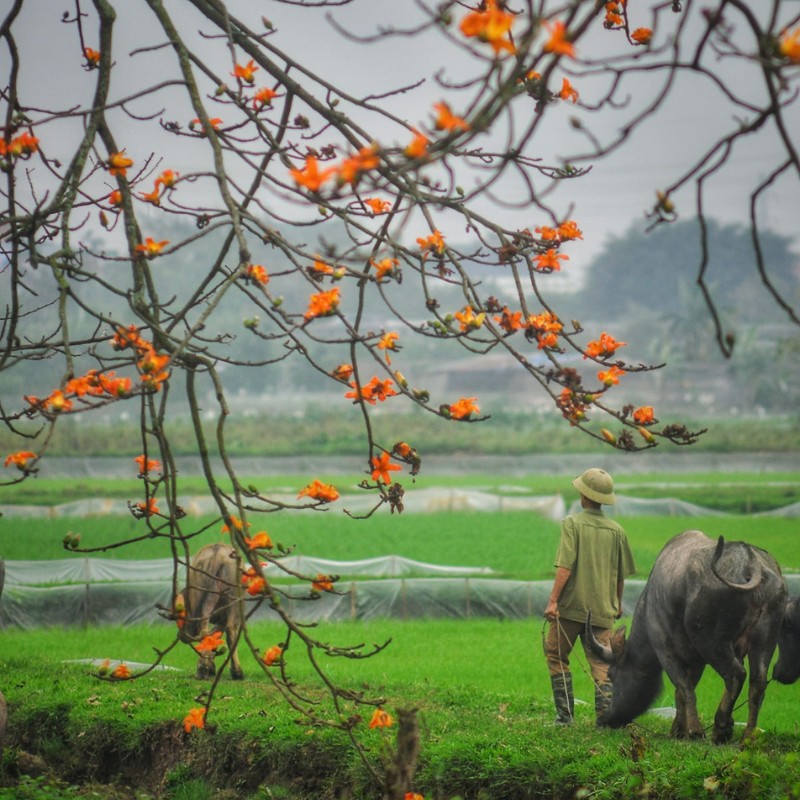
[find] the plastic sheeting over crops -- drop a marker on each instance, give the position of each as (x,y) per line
(403,598)
(425,501)
(128,598)
(420,501)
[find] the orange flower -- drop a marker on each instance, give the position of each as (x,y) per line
(273,655)
(84,384)
(509,321)
(433,243)
(377,206)
(256,586)
(610,376)
(245,73)
(215,122)
(644,35)
(57,402)
(413,796)
(20,146)
(150,247)
(154,197)
(559,42)
(92,57)
(604,347)
(613,15)
(118,164)
(568,92)
(351,168)
(261,541)
(116,387)
(235,523)
(210,643)
(255,273)
(385,267)
(263,97)
(644,415)
(148,508)
(322,583)
(323,304)
(151,362)
(418,146)
(491,25)
(463,408)
(121,672)
(569,230)
(152,368)
(147,465)
(468,319)
(381,467)
(126,337)
(343,372)
(321,268)
(167,178)
(196,718)
(547,234)
(310,176)
(20,459)
(790,45)
(323,492)
(545,328)
(548,262)
(376,390)
(446,120)
(380,719)
(115,198)
(389,342)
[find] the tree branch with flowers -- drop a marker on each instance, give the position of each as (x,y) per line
(315,209)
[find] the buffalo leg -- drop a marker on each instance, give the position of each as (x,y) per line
(759,665)
(734,676)
(687,723)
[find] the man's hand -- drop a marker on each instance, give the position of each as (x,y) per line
(551,612)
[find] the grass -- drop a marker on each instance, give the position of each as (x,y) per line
(516,545)
(321,431)
(480,687)
(731,492)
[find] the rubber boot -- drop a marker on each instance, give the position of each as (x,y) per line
(564,700)
(602,700)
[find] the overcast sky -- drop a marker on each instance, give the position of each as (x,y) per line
(614,195)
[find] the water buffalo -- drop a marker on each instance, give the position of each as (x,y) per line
(211,598)
(787,667)
(705,602)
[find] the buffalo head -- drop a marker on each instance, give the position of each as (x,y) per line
(636,680)
(787,667)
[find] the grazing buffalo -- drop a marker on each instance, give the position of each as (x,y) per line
(705,602)
(211,598)
(787,667)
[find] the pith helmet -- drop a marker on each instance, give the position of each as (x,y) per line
(597,485)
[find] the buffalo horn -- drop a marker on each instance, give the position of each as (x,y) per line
(754,581)
(599,649)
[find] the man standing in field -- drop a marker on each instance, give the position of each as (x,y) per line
(592,562)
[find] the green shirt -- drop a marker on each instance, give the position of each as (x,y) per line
(595,549)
